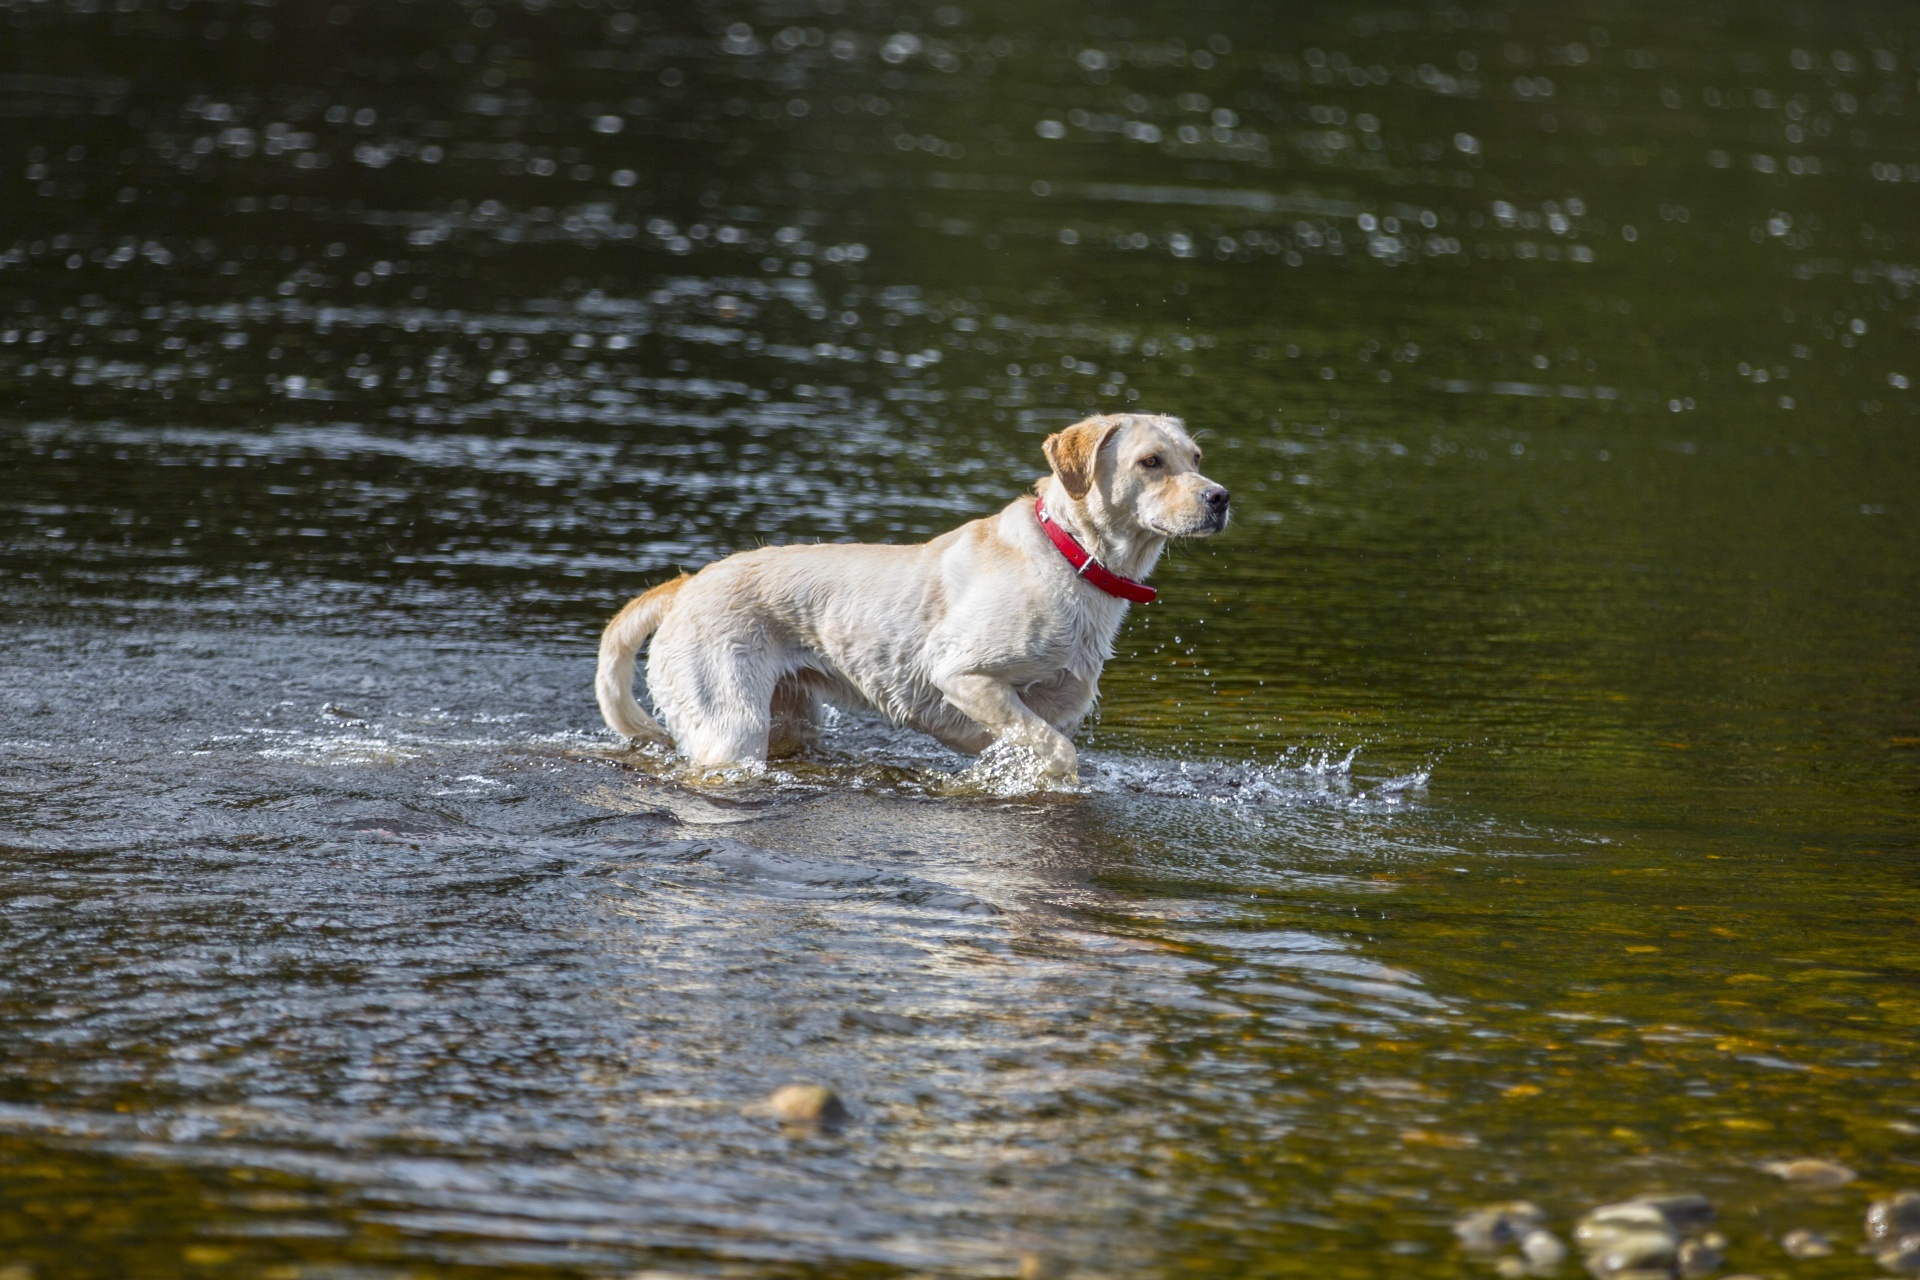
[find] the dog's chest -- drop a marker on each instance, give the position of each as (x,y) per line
(1081,638)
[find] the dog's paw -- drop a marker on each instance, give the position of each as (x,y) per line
(1012,768)
(1060,762)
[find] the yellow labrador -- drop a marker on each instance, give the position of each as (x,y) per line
(995,632)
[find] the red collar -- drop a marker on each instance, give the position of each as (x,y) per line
(1086,566)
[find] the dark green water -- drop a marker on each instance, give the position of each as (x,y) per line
(1519,801)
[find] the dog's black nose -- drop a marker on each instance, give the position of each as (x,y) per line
(1216,497)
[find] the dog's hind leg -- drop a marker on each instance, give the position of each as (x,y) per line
(716,697)
(794,717)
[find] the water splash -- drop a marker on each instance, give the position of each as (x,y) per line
(878,758)
(1007,770)
(1317,777)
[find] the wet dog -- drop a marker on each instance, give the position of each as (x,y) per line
(994,632)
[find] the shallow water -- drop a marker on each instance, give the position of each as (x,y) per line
(1518,801)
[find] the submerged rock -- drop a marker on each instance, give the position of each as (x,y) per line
(803,1104)
(1496,1226)
(1686,1211)
(1805,1242)
(1037,1266)
(1675,1215)
(1811,1172)
(1634,1253)
(1605,1224)
(1903,1255)
(1699,1258)
(1596,1240)
(1542,1249)
(1897,1215)
(1642,1238)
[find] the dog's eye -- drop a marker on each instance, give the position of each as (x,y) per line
(1151,461)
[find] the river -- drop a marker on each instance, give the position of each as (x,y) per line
(1518,801)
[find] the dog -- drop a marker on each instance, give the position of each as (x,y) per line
(992,633)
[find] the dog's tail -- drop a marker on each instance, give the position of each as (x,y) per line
(619,646)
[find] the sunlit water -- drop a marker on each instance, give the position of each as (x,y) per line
(1518,801)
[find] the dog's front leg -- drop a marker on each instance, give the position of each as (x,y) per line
(993,704)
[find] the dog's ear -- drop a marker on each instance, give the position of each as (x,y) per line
(1071,453)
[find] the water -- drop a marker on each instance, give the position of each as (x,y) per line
(1518,801)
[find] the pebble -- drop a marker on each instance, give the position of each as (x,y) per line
(1634,1252)
(1640,1239)
(1612,1221)
(1678,1213)
(1897,1215)
(1510,1268)
(1037,1266)
(1697,1259)
(1593,1238)
(1686,1211)
(805,1104)
(1543,1249)
(1810,1172)
(1498,1225)
(1805,1242)
(1903,1256)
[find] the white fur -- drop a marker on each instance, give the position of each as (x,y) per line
(983,635)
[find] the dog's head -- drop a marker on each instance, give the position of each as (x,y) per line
(1138,472)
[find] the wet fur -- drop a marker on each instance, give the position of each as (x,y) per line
(982,635)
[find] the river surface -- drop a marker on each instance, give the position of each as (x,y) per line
(1518,801)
